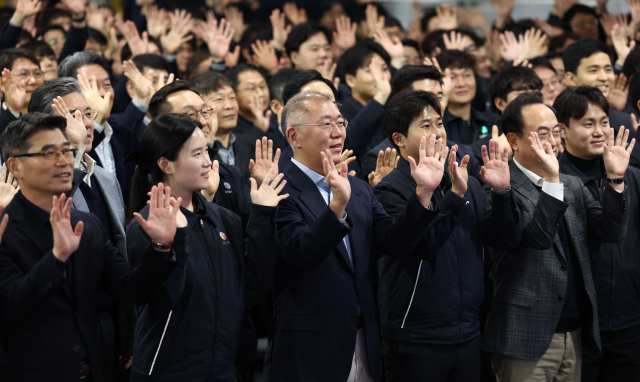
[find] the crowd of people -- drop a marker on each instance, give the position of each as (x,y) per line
(450,201)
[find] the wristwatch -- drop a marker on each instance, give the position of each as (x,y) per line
(619,180)
(161,246)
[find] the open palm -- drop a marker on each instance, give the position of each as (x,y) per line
(430,168)
(161,223)
(269,192)
(495,172)
(616,153)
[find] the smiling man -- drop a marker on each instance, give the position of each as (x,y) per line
(330,226)
(309,47)
(584,115)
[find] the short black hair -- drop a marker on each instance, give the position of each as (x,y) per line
(278,82)
(515,78)
(430,42)
(153,61)
(358,55)
(578,8)
(582,48)
(158,105)
(8,56)
(302,78)
(412,43)
(39,48)
(233,74)
(198,57)
(126,53)
(48,28)
(542,62)
(97,36)
(573,103)
(403,109)
(15,138)
(301,33)
(456,59)
(556,43)
(429,13)
(50,14)
(634,93)
(390,22)
(407,75)
(209,82)
(632,63)
(512,120)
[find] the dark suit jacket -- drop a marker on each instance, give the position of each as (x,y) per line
(530,281)
(244,149)
(317,295)
(46,317)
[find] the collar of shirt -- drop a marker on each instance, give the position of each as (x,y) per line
(314,176)
(216,142)
(106,127)
(90,166)
(39,213)
(534,178)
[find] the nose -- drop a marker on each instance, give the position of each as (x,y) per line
(602,76)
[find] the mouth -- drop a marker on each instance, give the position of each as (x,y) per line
(63,176)
(603,88)
(336,147)
(206,175)
(598,143)
(230,116)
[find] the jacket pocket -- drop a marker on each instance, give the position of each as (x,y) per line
(300,322)
(516,297)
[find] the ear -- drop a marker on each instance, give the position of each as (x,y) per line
(350,80)
(294,58)
(130,90)
(293,136)
(570,79)
(276,106)
(15,167)
(512,138)
(500,104)
(165,165)
(399,140)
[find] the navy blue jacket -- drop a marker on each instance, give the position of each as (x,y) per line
(615,266)
(434,294)
(317,296)
(190,330)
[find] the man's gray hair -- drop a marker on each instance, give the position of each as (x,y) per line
(70,65)
(42,98)
(296,110)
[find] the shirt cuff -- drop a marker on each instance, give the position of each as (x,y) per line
(554,189)
(141,106)
(77,161)
(344,217)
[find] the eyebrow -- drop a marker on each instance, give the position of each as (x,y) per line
(595,66)
(51,146)
(187,107)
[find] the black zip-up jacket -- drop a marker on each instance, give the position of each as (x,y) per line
(190,331)
(615,266)
(434,295)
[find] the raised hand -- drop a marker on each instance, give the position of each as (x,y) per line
(264,160)
(447,18)
(161,224)
(547,28)
(620,42)
(66,239)
(393,47)
(503,8)
(430,168)
(265,56)
(214,181)
(495,172)
(459,174)
(295,15)
(346,157)
(339,183)
(503,142)
(328,69)
(534,44)
(345,35)
(616,153)
(279,28)
(92,95)
(634,8)
(619,93)
(7,188)
(137,44)
(157,21)
(510,46)
(76,7)
(25,9)
(235,20)
(15,93)
(546,157)
(447,82)
(261,120)
(217,37)
(181,25)
(383,84)
(142,86)
(560,7)
(634,122)
(387,161)
(268,194)
(374,22)
(231,59)
(76,130)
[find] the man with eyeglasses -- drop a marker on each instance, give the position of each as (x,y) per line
(52,274)
(330,229)
(21,75)
(544,310)
(583,115)
(551,82)
(98,193)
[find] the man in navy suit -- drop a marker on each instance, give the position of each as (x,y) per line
(331,227)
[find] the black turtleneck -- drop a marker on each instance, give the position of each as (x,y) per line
(592,168)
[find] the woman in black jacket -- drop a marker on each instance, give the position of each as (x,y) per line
(190,331)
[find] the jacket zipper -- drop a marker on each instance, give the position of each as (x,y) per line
(412,294)
(160,343)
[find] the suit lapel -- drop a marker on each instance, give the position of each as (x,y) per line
(79,202)
(310,196)
(79,262)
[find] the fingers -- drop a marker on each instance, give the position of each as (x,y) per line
(380,160)
(258,153)
(465,161)
(630,147)
(422,151)
(452,158)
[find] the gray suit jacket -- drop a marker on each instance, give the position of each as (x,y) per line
(530,281)
(112,195)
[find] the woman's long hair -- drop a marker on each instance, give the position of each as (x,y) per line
(164,137)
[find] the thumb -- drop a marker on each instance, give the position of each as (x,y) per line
(254,185)
(79,229)
(371,175)
(494,132)
(107,97)
(216,166)
(267,115)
